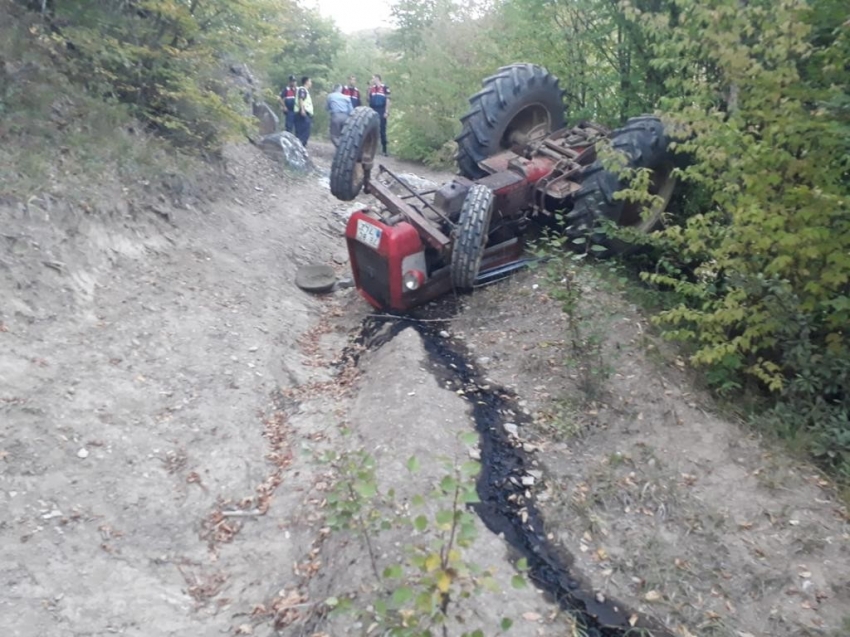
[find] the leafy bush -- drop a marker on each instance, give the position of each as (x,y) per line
(814,406)
(53,132)
(166,59)
(765,269)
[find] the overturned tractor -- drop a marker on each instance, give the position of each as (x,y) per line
(516,160)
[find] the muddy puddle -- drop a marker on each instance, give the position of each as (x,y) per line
(509,476)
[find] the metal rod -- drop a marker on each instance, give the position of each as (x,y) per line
(417,195)
(432,234)
(486,277)
(557,156)
(423,193)
(565,150)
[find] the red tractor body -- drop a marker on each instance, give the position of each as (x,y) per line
(401,256)
(380,257)
(390,266)
(517,160)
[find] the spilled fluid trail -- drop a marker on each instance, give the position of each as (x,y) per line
(505,506)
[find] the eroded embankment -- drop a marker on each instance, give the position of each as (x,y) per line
(509,477)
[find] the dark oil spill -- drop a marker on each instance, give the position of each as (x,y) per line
(505,508)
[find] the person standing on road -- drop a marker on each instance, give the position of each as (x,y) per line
(339,107)
(287,104)
(379,100)
(304,111)
(352,91)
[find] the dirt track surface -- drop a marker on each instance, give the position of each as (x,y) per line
(167,394)
(138,380)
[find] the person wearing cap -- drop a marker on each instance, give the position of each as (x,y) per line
(287,102)
(339,107)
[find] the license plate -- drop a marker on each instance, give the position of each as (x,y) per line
(368,234)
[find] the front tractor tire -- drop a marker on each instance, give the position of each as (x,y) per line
(355,154)
(645,145)
(470,237)
(518,103)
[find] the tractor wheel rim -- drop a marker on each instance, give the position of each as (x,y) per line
(368,150)
(526,120)
(662,183)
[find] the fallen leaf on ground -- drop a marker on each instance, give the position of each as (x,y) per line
(652,596)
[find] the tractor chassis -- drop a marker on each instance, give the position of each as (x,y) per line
(498,259)
(537,175)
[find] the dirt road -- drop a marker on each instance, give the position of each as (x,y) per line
(138,378)
(169,399)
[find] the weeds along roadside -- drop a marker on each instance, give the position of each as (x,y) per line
(59,140)
(808,416)
(417,592)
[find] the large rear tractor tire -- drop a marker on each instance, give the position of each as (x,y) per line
(356,152)
(644,143)
(471,236)
(519,102)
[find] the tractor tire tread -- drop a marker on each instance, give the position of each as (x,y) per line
(361,123)
(503,95)
(471,236)
(644,143)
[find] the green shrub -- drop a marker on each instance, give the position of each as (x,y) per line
(764,270)
(167,60)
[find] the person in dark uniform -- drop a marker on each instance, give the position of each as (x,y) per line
(304,111)
(287,103)
(379,100)
(352,91)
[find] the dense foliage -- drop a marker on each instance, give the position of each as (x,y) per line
(169,60)
(759,92)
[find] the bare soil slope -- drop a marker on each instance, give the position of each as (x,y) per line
(167,395)
(138,366)
(666,505)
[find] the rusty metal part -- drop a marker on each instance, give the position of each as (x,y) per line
(450,197)
(432,235)
(384,170)
(571,149)
(512,191)
(519,139)
(537,168)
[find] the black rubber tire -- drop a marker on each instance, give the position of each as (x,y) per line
(470,237)
(643,141)
(356,152)
(515,99)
